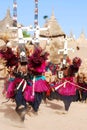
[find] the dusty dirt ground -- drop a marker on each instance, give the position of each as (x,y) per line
(49,117)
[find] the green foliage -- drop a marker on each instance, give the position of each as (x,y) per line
(25,34)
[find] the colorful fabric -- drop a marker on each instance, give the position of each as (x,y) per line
(28,94)
(40,86)
(67,89)
(40,77)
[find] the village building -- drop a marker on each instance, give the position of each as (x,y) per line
(5,23)
(56,37)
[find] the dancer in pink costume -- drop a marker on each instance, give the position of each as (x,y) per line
(37,67)
(66,89)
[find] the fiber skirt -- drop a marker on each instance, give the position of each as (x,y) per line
(41,86)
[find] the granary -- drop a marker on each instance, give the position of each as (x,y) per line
(55,36)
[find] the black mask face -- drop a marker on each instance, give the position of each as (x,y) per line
(23,60)
(23,63)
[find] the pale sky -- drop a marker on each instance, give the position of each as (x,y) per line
(70,14)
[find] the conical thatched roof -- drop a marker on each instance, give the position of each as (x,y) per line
(6,21)
(82,41)
(54,28)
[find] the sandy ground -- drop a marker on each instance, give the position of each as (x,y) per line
(50,116)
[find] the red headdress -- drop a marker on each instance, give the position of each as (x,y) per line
(37,61)
(74,67)
(8,55)
(77,62)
